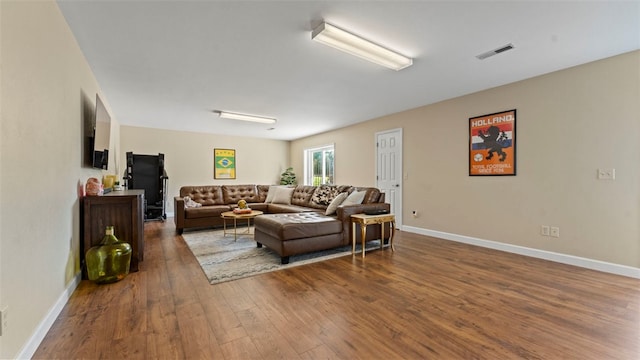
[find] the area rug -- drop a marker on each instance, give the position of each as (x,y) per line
(223,259)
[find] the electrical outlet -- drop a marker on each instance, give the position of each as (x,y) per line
(3,320)
(544,230)
(555,231)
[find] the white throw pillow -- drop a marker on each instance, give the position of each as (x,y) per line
(283,195)
(188,203)
(355,198)
(271,193)
(337,201)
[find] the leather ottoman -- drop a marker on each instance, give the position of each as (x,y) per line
(297,233)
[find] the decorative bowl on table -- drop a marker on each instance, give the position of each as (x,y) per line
(242,211)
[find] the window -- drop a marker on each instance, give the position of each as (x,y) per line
(318,166)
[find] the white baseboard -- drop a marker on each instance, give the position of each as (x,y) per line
(592,264)
(41,331)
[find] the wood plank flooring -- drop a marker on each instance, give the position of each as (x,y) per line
(430,299)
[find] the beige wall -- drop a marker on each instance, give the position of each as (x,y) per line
(354,147)
(47,91)
(189,157)
(569,124)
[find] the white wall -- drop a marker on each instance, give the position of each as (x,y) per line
(47,93)
(189,157)
(569,124)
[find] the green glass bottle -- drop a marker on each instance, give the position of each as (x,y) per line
(108,262)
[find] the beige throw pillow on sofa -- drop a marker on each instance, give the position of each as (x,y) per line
(283,195)
(337,201)
(271,193)
(355,198)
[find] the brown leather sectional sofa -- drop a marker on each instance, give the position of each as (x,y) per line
(216,199)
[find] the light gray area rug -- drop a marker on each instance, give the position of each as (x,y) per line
(223,259)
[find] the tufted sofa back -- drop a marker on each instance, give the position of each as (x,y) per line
(205,195)
(263,190)
(231,194)
(371,196)
(302,195)
(234,193)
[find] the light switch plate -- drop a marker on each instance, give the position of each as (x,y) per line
(606,174)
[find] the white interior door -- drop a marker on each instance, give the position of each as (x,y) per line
(389,169)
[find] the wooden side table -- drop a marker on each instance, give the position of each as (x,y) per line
(124,210)
(231,215)
(365,220)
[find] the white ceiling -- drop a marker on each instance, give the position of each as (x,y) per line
(169,64)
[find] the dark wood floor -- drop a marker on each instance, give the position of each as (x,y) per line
(431,299)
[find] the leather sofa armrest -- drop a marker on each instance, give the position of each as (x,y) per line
(345,212)
(178,213)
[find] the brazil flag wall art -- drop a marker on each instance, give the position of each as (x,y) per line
(224,164)
(492,144)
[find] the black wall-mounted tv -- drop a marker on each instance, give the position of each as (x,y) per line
(101,136)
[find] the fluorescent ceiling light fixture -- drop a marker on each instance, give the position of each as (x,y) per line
(245,117)
(495,51)
(342,40)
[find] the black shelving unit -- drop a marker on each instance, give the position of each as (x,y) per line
(147,172)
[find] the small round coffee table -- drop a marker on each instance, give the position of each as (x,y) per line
(231,215)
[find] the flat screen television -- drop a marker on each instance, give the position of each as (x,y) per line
(101,136)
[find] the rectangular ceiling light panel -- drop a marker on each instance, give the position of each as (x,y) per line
(342,40)
(245,117)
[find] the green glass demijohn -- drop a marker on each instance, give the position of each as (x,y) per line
(108,262)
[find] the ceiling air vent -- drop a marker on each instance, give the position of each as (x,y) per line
(495,51)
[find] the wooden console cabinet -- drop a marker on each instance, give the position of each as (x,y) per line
(122,209)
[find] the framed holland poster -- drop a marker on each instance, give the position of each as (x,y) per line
(224,164)
(492,144)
